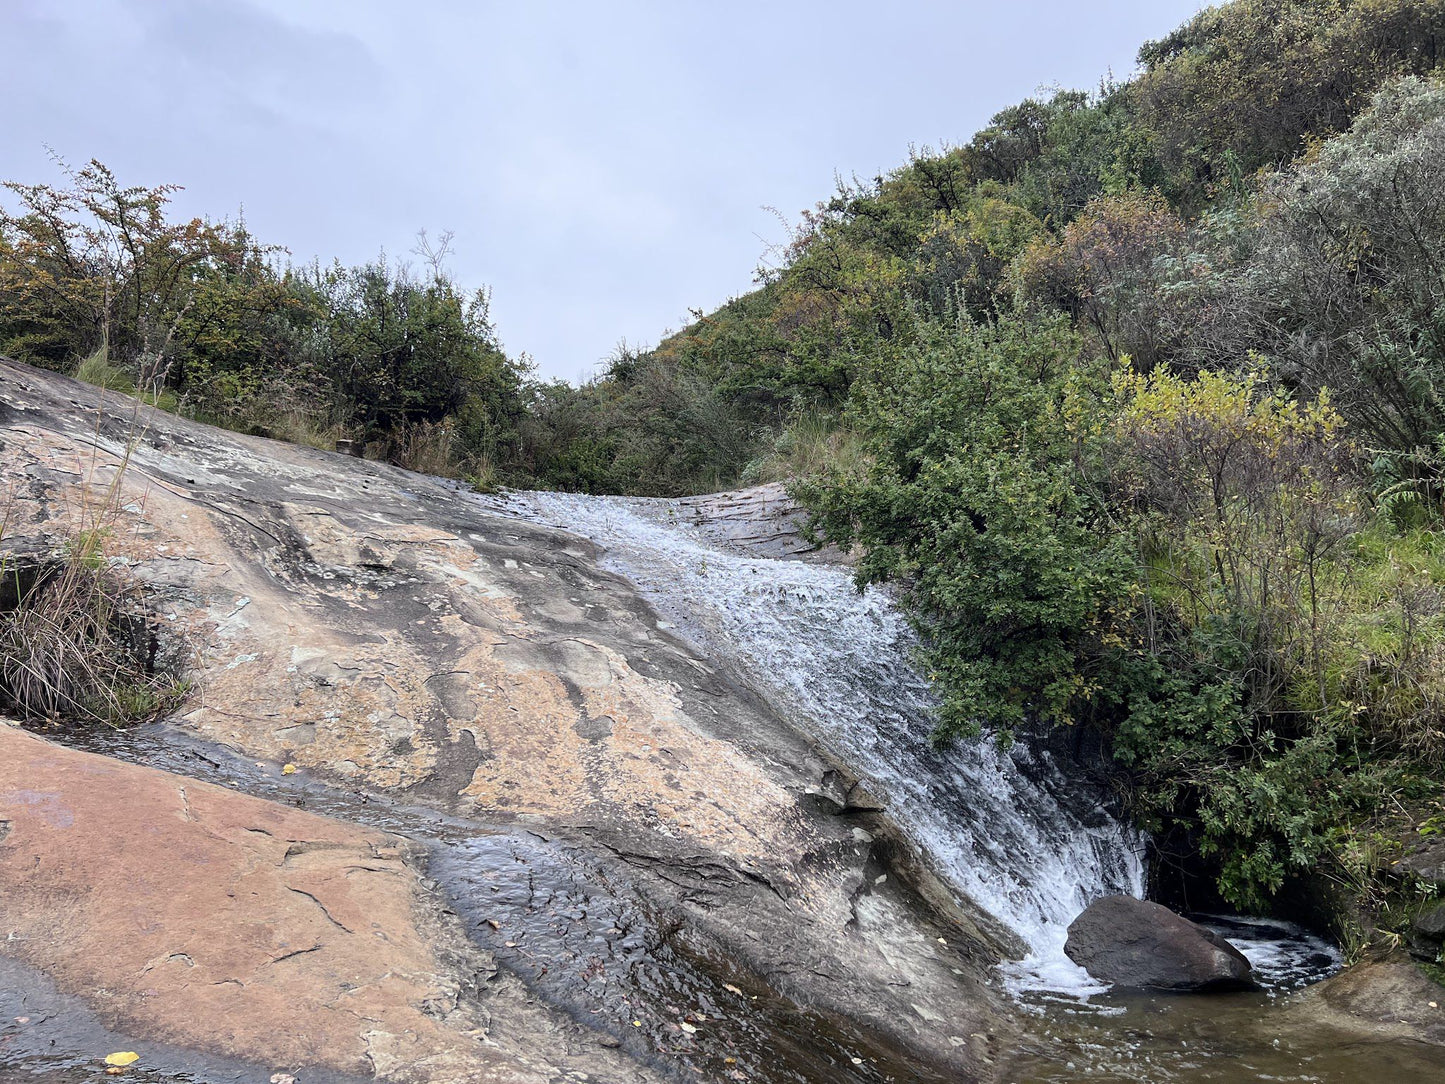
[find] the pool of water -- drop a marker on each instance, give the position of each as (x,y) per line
(1228,1038)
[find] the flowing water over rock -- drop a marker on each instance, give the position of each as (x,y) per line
(1284,956)
(1028,837)
(651,889)
(1014,831)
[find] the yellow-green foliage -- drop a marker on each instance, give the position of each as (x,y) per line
(1176,559)
(1265,577)
(1243,496)
(1387,661)
(96,369)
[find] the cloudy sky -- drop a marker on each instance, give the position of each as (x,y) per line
(604,167)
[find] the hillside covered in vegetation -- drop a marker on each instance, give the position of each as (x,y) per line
(1138,396)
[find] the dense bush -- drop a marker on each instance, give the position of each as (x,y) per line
(646,427)
(1345,288)
(972,501)
(200,314)
(1173,560)
(1243,85)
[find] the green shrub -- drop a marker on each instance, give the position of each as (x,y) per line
(972,500)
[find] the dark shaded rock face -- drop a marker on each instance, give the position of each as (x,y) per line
(1140,944)
(1427,933)
(1426,860)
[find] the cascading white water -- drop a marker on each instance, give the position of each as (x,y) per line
(1013,831)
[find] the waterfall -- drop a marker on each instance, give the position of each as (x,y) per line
(1014,831)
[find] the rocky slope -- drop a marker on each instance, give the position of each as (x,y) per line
(386,636)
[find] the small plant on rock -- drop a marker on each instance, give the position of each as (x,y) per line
(77,643)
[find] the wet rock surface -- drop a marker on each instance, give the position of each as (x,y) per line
(1384,999)
(1143,945)
(384,634)
(761,521)
(47,1037)
(196,916)
(1425,939)
(1426,861)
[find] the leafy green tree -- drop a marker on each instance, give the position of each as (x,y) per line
(405,351)
(973,504)
(964,258)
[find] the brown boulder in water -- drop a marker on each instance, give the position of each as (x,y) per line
(1145,945)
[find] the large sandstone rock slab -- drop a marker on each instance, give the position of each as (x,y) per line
(189,914)
(1139,944)
(383,630)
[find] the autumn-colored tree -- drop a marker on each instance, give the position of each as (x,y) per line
(99,265)
(1107,271)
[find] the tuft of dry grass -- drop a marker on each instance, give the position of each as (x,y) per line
(296,425)
(77,646)
(77,641)
(429,448)
(814,444)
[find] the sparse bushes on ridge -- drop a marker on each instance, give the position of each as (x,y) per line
(96,279)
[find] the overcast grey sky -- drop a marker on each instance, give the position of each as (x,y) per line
(605,167)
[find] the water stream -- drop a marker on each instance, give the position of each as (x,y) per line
(1029,837)
(1014,831)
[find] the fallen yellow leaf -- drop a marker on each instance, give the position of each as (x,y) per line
(122,1058)
(288,769)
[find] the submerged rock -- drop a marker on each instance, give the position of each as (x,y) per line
(1137,943)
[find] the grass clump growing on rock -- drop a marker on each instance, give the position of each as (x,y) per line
(78,643)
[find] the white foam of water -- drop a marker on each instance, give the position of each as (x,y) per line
(1012,830)
(1284,956)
